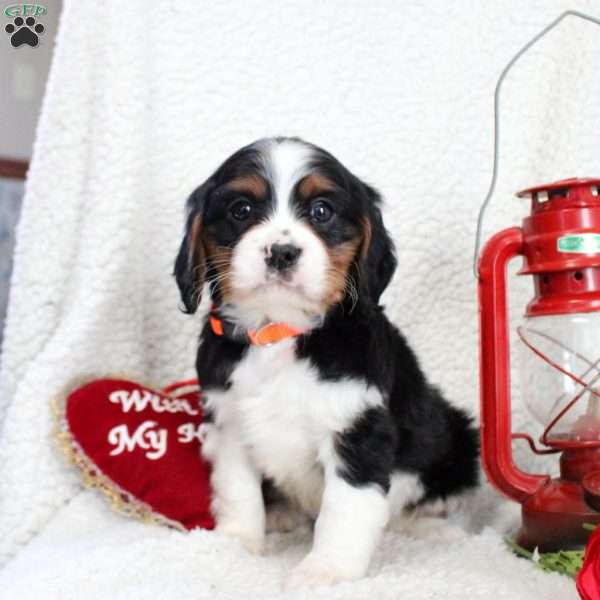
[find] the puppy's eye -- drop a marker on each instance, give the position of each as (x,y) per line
(241,210)
(320,211)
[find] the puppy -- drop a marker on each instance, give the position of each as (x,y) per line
(308,389)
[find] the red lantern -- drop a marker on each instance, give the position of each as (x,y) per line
(560,340)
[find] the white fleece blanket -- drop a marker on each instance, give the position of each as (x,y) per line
(144,100)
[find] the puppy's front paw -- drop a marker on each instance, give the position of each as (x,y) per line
(252,541)
(311,572)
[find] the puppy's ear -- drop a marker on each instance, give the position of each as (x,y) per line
(190,264)
(378,261)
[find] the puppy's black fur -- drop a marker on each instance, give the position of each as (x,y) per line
(419,432)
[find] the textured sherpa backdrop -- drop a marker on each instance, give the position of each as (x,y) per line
(144,100)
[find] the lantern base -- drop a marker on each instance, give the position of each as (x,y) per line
(554,516)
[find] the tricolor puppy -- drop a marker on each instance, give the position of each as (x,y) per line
(315,405)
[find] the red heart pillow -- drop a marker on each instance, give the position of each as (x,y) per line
(142,448)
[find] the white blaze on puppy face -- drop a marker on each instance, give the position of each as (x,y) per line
(293,296)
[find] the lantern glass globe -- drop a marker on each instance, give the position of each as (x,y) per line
(560,373)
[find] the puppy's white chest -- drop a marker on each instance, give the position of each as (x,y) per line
(274,396)
(283,411)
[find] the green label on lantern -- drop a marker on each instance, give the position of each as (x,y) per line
(584,243)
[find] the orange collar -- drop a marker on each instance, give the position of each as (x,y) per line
(270,333)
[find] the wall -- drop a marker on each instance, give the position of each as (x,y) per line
(23,73)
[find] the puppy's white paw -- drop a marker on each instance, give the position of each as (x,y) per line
(252,541)
(284,519)
(311,573)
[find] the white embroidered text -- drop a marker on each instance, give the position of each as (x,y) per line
(146,436)
(188,432)
(139,400)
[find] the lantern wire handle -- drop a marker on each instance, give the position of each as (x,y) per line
(507,68)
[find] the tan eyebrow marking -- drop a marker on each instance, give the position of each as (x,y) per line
(249,184)
(315,184)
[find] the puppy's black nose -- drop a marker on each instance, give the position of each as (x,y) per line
(283,256)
